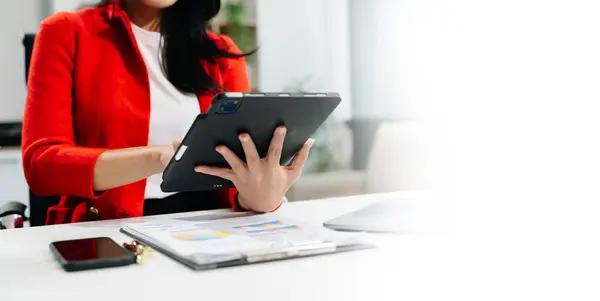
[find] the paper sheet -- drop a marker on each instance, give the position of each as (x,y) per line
(228,239)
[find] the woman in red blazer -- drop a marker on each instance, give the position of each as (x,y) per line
(110,87)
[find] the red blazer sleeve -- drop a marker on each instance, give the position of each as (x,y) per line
(52,161)
(235,79)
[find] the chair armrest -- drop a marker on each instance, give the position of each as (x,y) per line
(13,208)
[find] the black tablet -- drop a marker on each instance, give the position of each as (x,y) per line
(257,114)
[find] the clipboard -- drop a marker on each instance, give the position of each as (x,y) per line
(293,249)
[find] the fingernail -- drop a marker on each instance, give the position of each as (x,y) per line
(244,137)
(281,130)
(198,168)
(311,141)
(219,149)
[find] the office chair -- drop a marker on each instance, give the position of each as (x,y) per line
(38,206)
(12,214)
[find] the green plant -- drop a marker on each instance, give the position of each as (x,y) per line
(236,15)
(326,153)
(323,156)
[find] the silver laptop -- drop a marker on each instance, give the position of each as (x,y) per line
(387,216)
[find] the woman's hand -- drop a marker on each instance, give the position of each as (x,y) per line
(261,183)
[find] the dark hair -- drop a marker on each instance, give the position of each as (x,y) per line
(186,44)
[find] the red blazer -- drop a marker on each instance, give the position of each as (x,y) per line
(88,92)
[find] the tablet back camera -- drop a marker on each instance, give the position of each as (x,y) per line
(228,106)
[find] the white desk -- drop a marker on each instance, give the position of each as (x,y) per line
(400,266)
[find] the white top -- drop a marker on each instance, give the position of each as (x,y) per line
(171,112)
(403,266)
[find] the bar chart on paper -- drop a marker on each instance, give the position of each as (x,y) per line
(268,227)
(199,237)
(260,225)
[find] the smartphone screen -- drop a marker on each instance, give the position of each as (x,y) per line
(90,249)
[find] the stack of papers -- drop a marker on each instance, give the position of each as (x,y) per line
(204,243)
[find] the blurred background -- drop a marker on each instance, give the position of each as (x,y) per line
(347,46)
(495,102)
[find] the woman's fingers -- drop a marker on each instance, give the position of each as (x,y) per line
(274,156)
(252,157)
(237,165)
(176,143)
(298,163)
(224,173)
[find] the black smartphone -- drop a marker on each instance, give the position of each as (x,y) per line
(90,253)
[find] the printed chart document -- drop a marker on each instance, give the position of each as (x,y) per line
(204,243)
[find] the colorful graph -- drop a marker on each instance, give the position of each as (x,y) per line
(260,225)
(197,237)
(273,230)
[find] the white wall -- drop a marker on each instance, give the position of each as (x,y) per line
(69,5)
(384,37)
(306,39)
(16,18)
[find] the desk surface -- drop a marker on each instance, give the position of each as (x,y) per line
(402,265)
